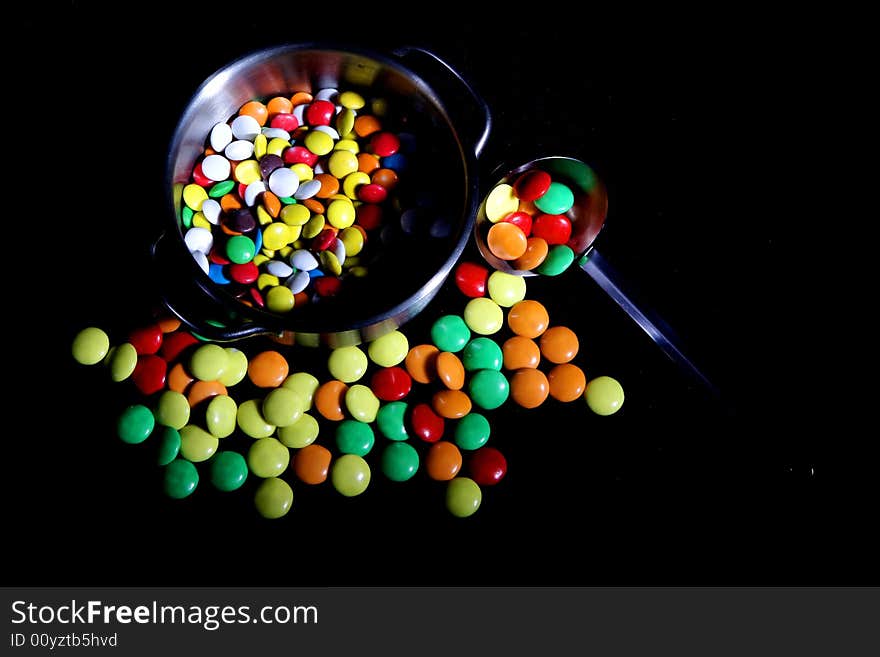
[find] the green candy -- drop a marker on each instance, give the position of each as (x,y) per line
(221,188)
(186,216)
(287,200)
(472,431)
(240,249)
(135,424)
(450,333)
(169,446)
(400,461)
(488,389)
(558,199)
(389,419)
(463,497)
(559,258)
(353,437)
(482,354)
(228,471)
(90,346)
(172,409)
(181,479)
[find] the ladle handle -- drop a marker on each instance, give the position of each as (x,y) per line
(613,284)
(408,52)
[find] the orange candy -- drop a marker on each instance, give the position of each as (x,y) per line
(256,109)
(179,379)
(329,399)
(168,324)
(559,344)
(314,206)
(535,253)
(567,382)
(385,177)
(279,105)
(268,369)
(202,390)
(528,207)
(443,461)
(367,162)
(451,404)
(506,241)
(366,124)
(528,318)
(329,185)
(529,387)
(450,370)
(421,362)
(230,202)
(520,352)
(300,98)
(312,463)
(272,203)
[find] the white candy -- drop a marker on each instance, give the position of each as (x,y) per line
(240,149)
(326,129)
(198,239)
(303,260)
(252,191)
(221,135)
(298,113)
(338,248)
(279,269)
(245,127)
(211,209)
(202,259)
(283,182)
(327,94)
(298,282)
(216,167)
(319,168)
(276,133)
(307,190)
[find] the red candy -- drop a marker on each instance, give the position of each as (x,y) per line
(326,286)
(149,374)
(284,121)
(245,273)
(521,220)
(532,185)
(146,340)
(324,239)
(199,177)
(320,112)
(552,228)
(471,279)
(391,383)
(384,144)
(257,297)
(487,466)
(299,154)
(218,257)
(174,344)
(372,193)
(369,216)
(426,424)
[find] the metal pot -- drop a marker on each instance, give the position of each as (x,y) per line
(450,123)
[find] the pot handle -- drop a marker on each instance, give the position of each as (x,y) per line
(176,297)
(414,52)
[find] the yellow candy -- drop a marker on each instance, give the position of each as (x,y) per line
(293,233)
(351,100)
(263,217)
(348,364)
(301,433)
(320,143)
(340,214)
(352,181)
(194,195)
(247,172)
(267,280)
(313,226)
(342,163)
(500,203)
(506,289)
(483,316)
(269,253)
(201,221)
(347,145)
(286,250)
(268,458)
(353,240)
(358,272)
(280,299)
(345,121)
(294,215)
(236,366)
(273,498)
(275,235)
(361,403)
(276,146)
(303,383)
(196,444)
(251,421)
(260,146)
(303,171)
(389,350)
(260,259)
(379,106)
(330,263)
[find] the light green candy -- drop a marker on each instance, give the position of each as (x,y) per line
(463,497)
(483,316)
(123,360)
(220,415)
(236,367)
(172,409)
(267,457)
(506,289)
(303,383)
(301,433)
(604,395)
(283,407)
(348,364)
(389,350)
(350,475)
(208,362)
(90,346)
(273,498)
(361,403)
(196,444)
(250,420)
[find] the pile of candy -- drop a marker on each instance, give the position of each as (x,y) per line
(287,195)
(428,402)
(529,227)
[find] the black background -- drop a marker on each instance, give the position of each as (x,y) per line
(675,488)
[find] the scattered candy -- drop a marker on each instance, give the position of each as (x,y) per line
(463,497)
(604,395)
